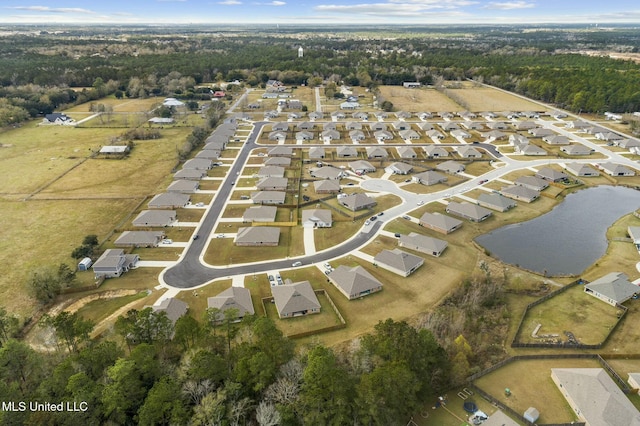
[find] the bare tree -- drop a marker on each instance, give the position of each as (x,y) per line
(267,415)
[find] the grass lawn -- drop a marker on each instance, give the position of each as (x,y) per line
(289,326)
(222,251)
(588,318)
(417,100)
(340,231)
(531,386)
(486,98)
(197,298)
(100,309)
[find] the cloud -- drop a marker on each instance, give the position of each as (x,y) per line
(53,9)
(275,3)
(510,5)
(171,1)
(397,7)
(229,2)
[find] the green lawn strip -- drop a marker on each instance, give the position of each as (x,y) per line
(100,309)
(197,298)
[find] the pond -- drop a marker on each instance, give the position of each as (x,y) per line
(569,238)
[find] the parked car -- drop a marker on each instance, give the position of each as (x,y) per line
(381,214)
(396,235)
(167,241)
(406,217)
(420,202)
(294,264)
(199,204)
(372,218)
(367,223)
(195,237)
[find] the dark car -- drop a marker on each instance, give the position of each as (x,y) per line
(396,235)
(372,218)
(195,237)
(381,213)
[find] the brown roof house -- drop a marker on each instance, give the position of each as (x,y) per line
(148,218)
(472,212)
(440,222)
(139,239)
(295,299)
(238,298)
(398,261)
(113,263)
(355,202)
(423,244)
(354,282)
(317,218)
(257,236)
(613,288)
(260,214)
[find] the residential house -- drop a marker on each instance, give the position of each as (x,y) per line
(296,299)
(305,125)
(594,397)
(613,288)
(58,118)
(330,134)
(183,186)
(425,126)
(495,134)
(364,116)
(627,143)
(516,138)
(326,186)
(272,184)
(353,125)
(576,149)
(451,167)
(401,125)
(277,136)
(406,152)
(541,132)
(425,115)
(556,139)
(270,171)
(327,172)
(410,84)
(423,244)
(317,218)
(434,151)
(528,149)
(190,174)
(399,168)
(152,218)
(520,193)
(376,152)
(349,105)
(472,212)
(449,126)
(377,126)
(304,136)
(113,263)
(260,214)
(257,236)
(498,418)
(578,125)
(429,177)
(445,114)
(559,115)
(582,170)
(278,161)
(532,182)
(337,115)
(361,167)
(347,151)
(280,127)
(613,169)
(381,115)
(238,298)
(472,125)
(354,282)
(398,261)
(440,222)
(403,115)
(139,239)
(208,154)
(525,125)
(497,125)
(435,134)
(383,135)
(355,202)
(169,200)
(330,126)
(280,151)
(356,135)
(634,234)
(316,153)
(316,115)
(198,164)
(552,175)
(468,152)
(271,114)
(409,134)
(608,136)
(114,150)
(460,134)
(496,202)
(268,197)
(172,307)
(488,115)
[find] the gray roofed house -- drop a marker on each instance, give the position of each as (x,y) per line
(525,125)
(317,218)
(449,126)
(403,114)
(554,139)
(355,202)
(361,166)
(238,298)
(459,133)
(468,152)
(472,212)
(608,136)
(280,126)
(113,263)
(378,126)
(406,152)
(613,288)
(169,200)
(214,146)
(383,135)
(174,308)
(327,172)
(260,214)
(278,161)
(114,149)
(295,299)
(347,151)
(539,132)
(190,174)
(183,186)
(495,134)
(401,125)
(552,175)
(423,244)
(270,171)
(531,182)
(440,222)
(435,134)
(497,125)
(354,282)
(339,114)
(326,186)
(139,239)
(613,169)
(409,134)
(349,105)
(361,115)
(304,135)
(398,261)
(268,197)
(316,152)
(208,154)
(528,149)
(257,236)
(627,143)
(425,115)
(277,136)
(451,167)
(581,169)
(305,125)
(594,397)
(148,218)
(399,168)
(198,164)
(429,177)
(577,149)
(472,125)
(331,125)
(280,151)
(316,115)
(356,135)
(577,125)
(499,419)
(424,126)
(330,134)
(521,193)
(272,184)
(434,151)
(353,125)
(496,202)
(634,234)
(518,139)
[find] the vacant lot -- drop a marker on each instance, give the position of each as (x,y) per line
(488,99)
(417,100)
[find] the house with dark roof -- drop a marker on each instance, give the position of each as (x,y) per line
(398,261)
(238,298)
(472,212)
(58,118)
(151,218)
(260,214)
(317,218)
(613,288)
(440,222)
(355,202)
(423,244)
(297,299)
(354,282)
(257,236)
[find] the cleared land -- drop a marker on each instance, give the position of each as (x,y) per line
(417,100)
(489,99)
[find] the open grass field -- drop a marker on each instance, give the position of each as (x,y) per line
(100,309)
(121,105)
(488,99)
(417,100)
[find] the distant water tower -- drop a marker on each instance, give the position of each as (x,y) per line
(300,52)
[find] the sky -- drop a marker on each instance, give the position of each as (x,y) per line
(321,12)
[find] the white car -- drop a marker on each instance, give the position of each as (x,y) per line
(420,202)
(294,264)
(199,204)
(167,241)
(367,222)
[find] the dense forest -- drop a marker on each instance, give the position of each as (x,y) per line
(39,68)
